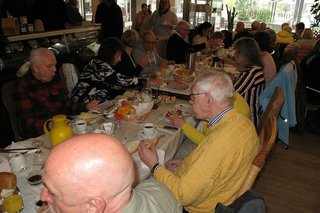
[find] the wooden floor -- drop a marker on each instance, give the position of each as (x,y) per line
(290,180)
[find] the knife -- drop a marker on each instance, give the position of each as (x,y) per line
(16,150)
(167,127)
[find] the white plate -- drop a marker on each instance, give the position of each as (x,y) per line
(185,108)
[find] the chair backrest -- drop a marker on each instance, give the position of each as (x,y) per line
(69,76)
(267,137)
(273,108)
(6,92)
(161,46)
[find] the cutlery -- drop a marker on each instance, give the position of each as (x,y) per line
(102,113)
(167,127)
(16,150)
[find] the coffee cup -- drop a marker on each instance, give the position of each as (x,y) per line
(149,130)
(108,128)
(18,162)
(80,126)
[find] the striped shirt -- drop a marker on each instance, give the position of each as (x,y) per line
(220,116)
(249,84)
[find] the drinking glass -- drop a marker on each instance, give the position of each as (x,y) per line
(38,157)
(13,203)
(139,118)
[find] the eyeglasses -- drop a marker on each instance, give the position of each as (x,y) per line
(191,96)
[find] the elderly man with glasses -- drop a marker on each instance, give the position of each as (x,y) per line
(215,171)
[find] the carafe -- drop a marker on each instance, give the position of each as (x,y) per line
(60,130)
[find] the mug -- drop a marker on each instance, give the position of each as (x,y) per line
(18,162)
(149,130)
(80,126)
(108,128)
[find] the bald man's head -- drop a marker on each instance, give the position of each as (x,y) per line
(85,168)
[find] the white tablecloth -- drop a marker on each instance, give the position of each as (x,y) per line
(129,131)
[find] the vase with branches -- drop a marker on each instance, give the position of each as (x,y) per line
(231,15)
(315,11)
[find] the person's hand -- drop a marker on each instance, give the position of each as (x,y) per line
(148,156)
(177,121)
(92,105)
(173,164)
(143,60)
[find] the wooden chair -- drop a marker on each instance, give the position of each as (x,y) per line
(161,46)
(6,93)
(273,108)
(268,135)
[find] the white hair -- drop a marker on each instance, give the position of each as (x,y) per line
(217,84)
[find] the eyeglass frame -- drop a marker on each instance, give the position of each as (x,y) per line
(191,96)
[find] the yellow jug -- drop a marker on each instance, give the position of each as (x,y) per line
(60,129)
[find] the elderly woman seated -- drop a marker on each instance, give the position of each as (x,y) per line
(250,82)
(128,66)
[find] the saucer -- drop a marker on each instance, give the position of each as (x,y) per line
(75,131)
(141,135)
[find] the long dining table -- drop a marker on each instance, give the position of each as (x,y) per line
(126,132)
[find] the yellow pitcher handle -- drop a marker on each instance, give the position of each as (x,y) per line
(45,126)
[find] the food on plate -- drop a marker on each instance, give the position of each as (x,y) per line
(167,99)
(85,115)
(89,117)
(183,75)
(129,95)
(132,147)
(126,110)
(175,112)
(173,84)
(183,72)
(185,108)
(156,82)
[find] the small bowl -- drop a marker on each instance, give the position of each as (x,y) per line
(34,178)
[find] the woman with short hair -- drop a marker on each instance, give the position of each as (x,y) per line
(128,66)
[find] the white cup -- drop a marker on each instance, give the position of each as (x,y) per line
(18,162)
(80,126)
(108,128)
(149,130)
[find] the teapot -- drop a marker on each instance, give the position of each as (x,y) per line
(60,129)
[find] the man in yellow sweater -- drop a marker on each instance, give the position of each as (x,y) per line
(194,134)
(217,168)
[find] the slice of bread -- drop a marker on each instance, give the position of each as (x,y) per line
(7,180)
